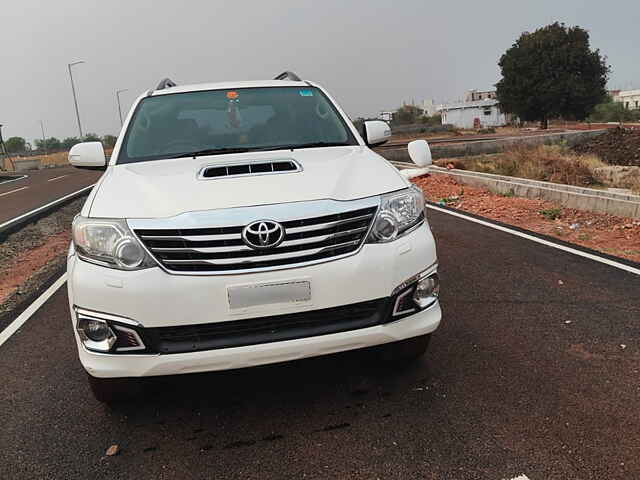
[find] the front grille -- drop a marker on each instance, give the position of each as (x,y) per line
(276,328)
(221,249)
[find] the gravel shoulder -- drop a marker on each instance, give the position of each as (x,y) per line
(32,255)
(613,235)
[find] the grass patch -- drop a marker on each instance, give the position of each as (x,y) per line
(549,163)
(551,213)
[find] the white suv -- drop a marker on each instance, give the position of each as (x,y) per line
(241,224)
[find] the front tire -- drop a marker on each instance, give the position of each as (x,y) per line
(114,390)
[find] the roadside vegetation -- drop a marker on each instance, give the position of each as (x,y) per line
(540,83)
(549,163)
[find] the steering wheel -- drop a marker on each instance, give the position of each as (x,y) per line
(322,115)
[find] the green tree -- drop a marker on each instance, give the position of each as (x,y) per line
(109,141)
(407,115)
(15,144)
(69,142)
(51,143)
(551,73)
(91,137)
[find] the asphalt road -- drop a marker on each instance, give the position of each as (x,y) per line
(526,375)
(41,187)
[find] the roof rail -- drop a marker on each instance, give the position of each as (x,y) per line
(288,76)
(166,83)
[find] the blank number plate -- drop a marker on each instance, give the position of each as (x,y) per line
(247,296)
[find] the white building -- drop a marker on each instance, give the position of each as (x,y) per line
(629,98)
(478,114)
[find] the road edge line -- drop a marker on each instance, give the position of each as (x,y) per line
(44,207)
(22,177)
(574,251)
(31,309)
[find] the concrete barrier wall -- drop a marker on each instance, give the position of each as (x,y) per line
(452,150)
(568,196)
(24,164)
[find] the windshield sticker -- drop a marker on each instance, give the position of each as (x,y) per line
(306,93)
(232,95)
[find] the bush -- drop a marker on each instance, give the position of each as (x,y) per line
(611,111)
(549,163)
(551,213)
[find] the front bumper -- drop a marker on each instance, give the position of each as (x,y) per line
(156,299)
(107,365)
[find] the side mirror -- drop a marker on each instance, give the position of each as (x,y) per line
(420,153)
(89,155)
(376,132)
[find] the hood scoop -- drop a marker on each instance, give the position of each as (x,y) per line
(245,169)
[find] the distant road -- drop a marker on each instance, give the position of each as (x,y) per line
(41,187)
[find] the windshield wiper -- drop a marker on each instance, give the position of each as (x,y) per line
(221,151)
(307,145)
(211,151)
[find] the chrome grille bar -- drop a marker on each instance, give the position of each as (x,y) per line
(262,258)
(210,242)
(242,248)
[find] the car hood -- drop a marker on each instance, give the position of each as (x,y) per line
(165,188)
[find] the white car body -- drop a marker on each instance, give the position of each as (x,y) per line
(153,194)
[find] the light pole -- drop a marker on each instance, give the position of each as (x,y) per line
(44,141)
(118,92)
(73,89)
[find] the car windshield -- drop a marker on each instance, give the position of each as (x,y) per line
(228,121)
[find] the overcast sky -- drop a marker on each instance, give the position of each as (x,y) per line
(371,55)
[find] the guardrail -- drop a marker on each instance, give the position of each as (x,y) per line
(25,219)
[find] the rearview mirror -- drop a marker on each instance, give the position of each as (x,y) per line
(420,153)
(89,155)
(376,132)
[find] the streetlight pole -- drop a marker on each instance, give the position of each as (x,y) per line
(44,141)
(118,92)
(75,100)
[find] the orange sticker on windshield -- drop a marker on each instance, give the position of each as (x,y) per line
(232,95)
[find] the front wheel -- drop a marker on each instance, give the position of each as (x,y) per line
(114,390)
(409,349)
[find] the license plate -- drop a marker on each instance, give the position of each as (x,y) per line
(262,294)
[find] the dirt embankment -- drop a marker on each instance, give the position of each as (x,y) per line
(30,256)
(617,146)
(613,235)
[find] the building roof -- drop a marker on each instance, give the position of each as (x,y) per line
(628,93)
(489,102)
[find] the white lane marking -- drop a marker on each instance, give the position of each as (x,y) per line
(58,178)
(580,253)
(12,191)
(13,179)
(31,309)
(44,206)
(520,477)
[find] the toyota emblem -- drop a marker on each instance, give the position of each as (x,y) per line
(263,234)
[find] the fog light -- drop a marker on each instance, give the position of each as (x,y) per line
(95,334)
(96,330)
(427,290)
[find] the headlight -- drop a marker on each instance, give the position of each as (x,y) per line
(399,212)
(109,243)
